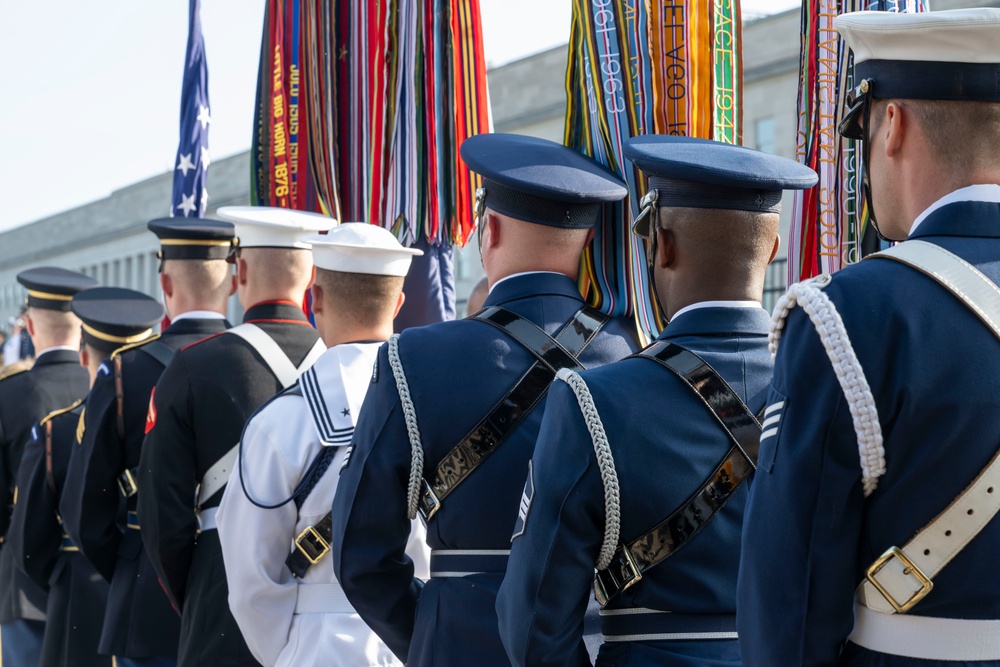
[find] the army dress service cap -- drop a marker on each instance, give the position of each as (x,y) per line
(357,247)
(268,227)
(685,172)
(52,288)
(115,316)
(539,181)
(192,238)
(947,55)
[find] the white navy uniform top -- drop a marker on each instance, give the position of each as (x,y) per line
(278,446)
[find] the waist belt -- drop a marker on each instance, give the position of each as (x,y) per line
(926,637)
(464,562)
(636,624)
(551,354)
(206,519)
(127,484)
(322,599)
(631,560)
(67,544)
(132,520)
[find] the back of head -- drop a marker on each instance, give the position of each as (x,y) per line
(53,328)
(276,273)
(360,300)
(944,67)
(50,321)
(538,203)
(360,270)
(710,216)
(203,284)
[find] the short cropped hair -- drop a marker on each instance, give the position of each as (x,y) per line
(363,298)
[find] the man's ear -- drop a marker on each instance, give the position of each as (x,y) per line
(29,324)
(894,127)
(241,271)
(777,246)
(399,304)
(492,238)
(666,248)
(317,299)
(232,286)
(84,357)
(167,284)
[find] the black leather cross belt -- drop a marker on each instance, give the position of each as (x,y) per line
(552,354)
(648,550)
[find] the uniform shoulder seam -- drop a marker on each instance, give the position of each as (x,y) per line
(52,415)
(133,346)
(202,340)
(12,373)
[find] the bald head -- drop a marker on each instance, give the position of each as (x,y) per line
(712,255)
(273,274)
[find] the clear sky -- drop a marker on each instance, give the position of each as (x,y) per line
(92,89)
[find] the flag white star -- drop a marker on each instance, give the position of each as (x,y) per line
(186,164)
(204,199)
(205,159)
(203,116)
(187,205)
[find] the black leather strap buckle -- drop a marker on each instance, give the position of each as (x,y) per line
(622,573)
(429,502)
(127,484)
(312,545)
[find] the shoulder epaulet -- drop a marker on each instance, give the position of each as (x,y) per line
(11,373)
(52,415)
(199,342)
(132,346)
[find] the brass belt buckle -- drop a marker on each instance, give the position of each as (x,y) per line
(909,568)
(429,502)
(312,545)
(127,484)
(622,573)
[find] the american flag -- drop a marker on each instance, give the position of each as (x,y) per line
(190,195)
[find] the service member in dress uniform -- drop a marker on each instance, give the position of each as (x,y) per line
(197,413)
(448,424)
(55,381)
(77,593)
(196,283)
(884,404)
(274,525)
(642,466)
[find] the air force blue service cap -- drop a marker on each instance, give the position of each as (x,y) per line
(115,316)
(539,181)
(192,238)
(52,288)
(685,172)
(949,55)
(357,247)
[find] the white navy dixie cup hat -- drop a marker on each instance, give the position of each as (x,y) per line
(948,55)
(267,227)
(358,247)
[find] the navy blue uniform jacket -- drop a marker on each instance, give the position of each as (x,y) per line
(665,445)
(91,501)
(76,592)
(934,371)
(457,371)
(55,381)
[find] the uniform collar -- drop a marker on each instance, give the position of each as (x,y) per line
(275,311)
(190,325)
(524,285)
(198,315)
(715,320)
(57,355)
(971,211)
